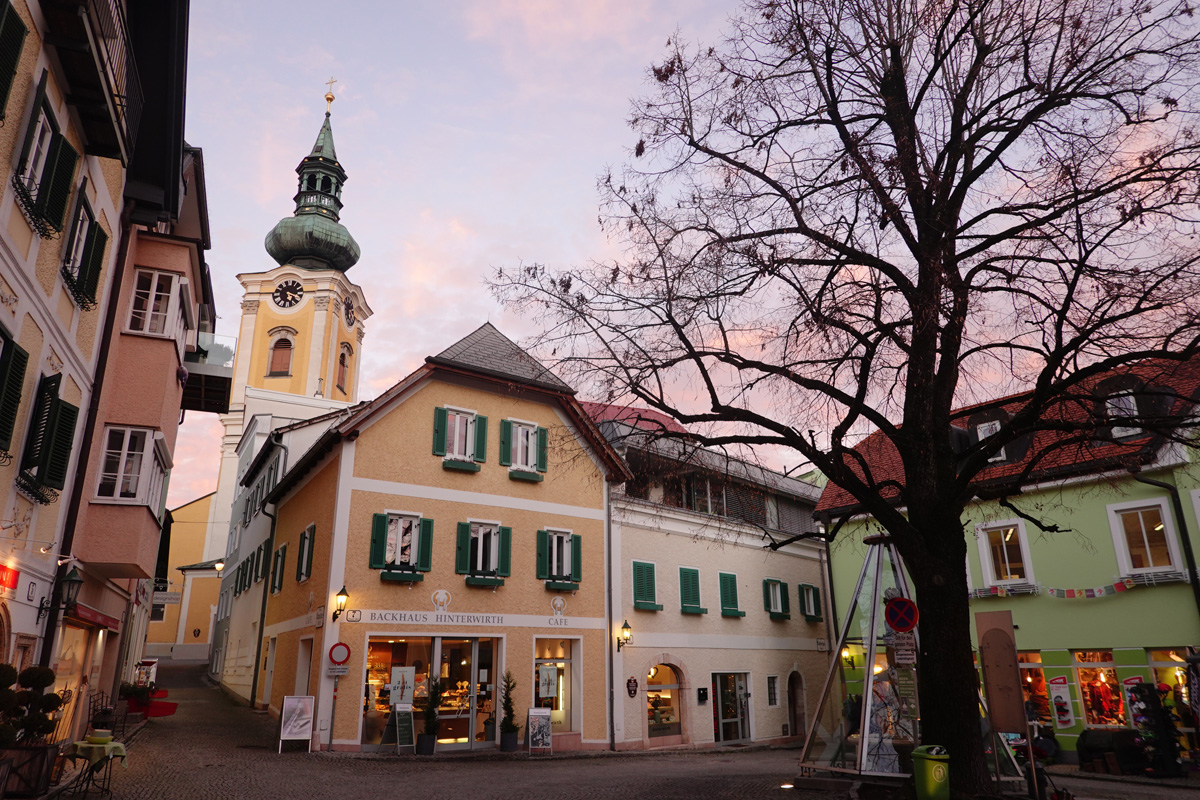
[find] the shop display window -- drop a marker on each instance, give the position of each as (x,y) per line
(662,702)
(386,659)
(1171,676)
(1103,700)
(552,680)
(1033,682)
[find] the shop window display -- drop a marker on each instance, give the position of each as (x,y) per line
(662,702)
(1103,703)
(1171,676)
(385,660)
(552,681)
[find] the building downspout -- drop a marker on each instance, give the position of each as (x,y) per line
(608,618)
(1184,537)
(262,612)
(85,444)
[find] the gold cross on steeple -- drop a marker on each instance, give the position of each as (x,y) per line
(329,94)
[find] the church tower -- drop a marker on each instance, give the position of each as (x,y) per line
(300,340)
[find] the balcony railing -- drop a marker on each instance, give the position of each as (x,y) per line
(214,350)
(210,373)
(93,46)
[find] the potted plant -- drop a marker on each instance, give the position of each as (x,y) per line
(508,723)
(24,725)
(427,740)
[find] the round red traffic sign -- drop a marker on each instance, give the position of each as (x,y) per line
(339,653)
(901,614)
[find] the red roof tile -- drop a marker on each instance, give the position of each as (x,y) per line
(644,418)
(1057,455)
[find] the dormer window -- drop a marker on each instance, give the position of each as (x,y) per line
(1120,408)
(985,429)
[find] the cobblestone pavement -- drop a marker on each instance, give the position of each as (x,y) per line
(212,749)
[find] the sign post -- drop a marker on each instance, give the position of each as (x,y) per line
(339,654)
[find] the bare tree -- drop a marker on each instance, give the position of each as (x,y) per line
(858,215)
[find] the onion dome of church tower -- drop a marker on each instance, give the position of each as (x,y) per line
(312,238)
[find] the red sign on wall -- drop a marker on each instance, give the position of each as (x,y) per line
(8,577)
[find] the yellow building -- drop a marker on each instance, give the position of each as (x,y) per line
(181,618)
(463,513)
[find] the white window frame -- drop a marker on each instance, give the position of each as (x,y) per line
(558,546)
(985,552)
(278,562)
(154,463)
(772,689)
(479,530)
(468,417)
(39,149)
(985,429)
(79,228)
(392,542)
(178,317)
(306,535)
(524,434)
(1122,405)
(1124,562)
(777,590)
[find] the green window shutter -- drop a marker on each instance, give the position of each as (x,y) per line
(36,442)
(785,605)
(39,99)
(576,558)
(480,439)
(379,524)
(93,260)
(62,438)
(816,603)
(12,38)
(504,565)
(440,420)
(13,361)
(767,595)
(543,444)
(689,588)
(312,548)
(300,554)
(425,546)
(729,600)
(505,456)
(543,555)
(54,191)
(643,583)
(462,554)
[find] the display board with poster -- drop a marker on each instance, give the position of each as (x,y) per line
(1060,699)
(404,682)
(402,716)
(540,737)
(296,721)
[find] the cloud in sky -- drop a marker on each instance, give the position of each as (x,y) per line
(472,134)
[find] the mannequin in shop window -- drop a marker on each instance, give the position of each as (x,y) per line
(1102,703)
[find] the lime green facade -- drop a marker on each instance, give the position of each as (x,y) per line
(1098,603)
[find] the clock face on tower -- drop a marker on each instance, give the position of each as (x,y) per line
(348,312)
(287,294)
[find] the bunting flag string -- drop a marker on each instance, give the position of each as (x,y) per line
(1066,594)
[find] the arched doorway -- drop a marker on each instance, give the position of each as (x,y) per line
(797,723)
(664,723)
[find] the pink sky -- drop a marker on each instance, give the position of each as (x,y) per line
(472,132)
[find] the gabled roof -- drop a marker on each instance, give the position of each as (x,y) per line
(522,369)
(489,352)
(644,418)
(1048,454)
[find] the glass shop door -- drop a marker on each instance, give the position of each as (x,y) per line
(467,713)
(730,705)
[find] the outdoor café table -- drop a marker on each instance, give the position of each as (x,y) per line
(98,772)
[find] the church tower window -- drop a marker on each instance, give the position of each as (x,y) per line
(281,357)
(343,368)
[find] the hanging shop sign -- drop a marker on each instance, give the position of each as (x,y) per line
(901,614)
(9,577)
(631,686)
(904,649)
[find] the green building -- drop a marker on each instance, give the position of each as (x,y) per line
(1087,544)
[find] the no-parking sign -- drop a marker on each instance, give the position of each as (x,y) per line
(339,654)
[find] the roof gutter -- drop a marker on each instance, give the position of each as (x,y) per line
(1184,537)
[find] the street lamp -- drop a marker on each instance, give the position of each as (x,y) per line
(625,637)
(70,585)
(341,598)
(847,659)
(220,565)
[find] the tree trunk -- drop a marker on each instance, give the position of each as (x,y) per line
(946,676)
